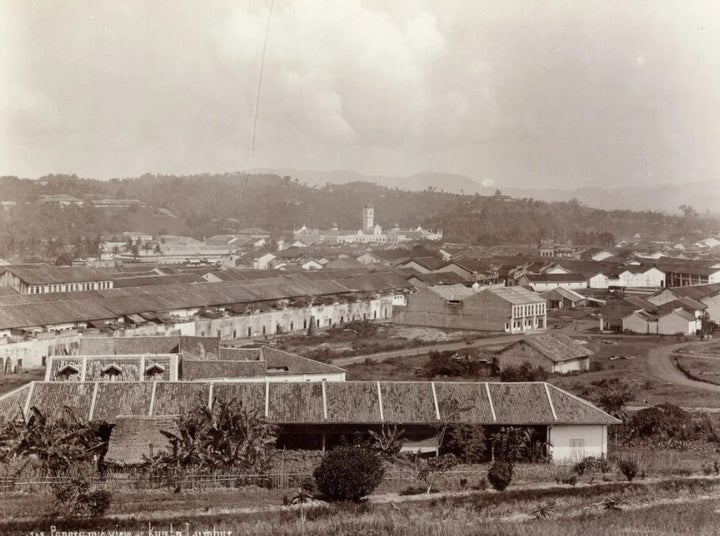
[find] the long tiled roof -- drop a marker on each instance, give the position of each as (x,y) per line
(47,309)
(532,403)
(44,274)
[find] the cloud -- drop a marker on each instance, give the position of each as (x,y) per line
(338,72)
(27,112)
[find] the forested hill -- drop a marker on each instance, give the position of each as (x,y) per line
(202,205)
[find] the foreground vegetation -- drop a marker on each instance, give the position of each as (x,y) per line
(676,506)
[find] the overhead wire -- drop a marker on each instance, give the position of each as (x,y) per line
(257,102)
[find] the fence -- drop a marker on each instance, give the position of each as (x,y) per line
(274,479)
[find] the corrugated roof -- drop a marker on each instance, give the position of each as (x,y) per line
(516,295)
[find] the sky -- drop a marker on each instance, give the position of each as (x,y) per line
(526,93)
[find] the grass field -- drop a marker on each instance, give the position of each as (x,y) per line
(701,368)
(676,506)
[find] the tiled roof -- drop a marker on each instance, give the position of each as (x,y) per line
(557,347)
(340,402)
(135,439)
(697,292)
(44,274)
(48,309)
(561,293)
(453,292)
(439,278)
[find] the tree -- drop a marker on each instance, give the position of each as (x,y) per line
(466,441)
(56,444)
(431,468)
(688,211)
(508,444)
(612,395)
(223,436)
(500,475)
(525,372)
(348,473)
(389,441)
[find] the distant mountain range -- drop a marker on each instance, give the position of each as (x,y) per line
(702,195)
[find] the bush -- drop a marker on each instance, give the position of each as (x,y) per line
(74,499)
(500,475)
(524,373)
(629,468)
(348,473)
(590,464)
(416,490)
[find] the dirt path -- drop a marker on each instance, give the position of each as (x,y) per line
(660,365)
(461,345)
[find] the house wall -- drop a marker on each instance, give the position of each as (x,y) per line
(713,304)
(599,281)
(637,324)
(31,352)
(294,320)
(672,323)
(542,286)
(651,278)
(571,443)
(483,311)
(573,365)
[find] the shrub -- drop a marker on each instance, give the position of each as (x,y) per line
(74,498)
(590,464)
(524,373)
(629,468)
(500,475)
(348,473)
(416,490)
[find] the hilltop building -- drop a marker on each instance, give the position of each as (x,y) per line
(370,233)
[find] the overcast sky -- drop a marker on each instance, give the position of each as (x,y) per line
(526,93)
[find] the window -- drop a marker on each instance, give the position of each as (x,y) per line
(577,449)
(249,332)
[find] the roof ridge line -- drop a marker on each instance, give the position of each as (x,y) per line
(585,402)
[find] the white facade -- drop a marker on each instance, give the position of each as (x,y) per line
(649,278)
(572,365)
(542,286)
(571,443)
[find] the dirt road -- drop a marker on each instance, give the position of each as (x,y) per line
(461,345)
(661,366)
